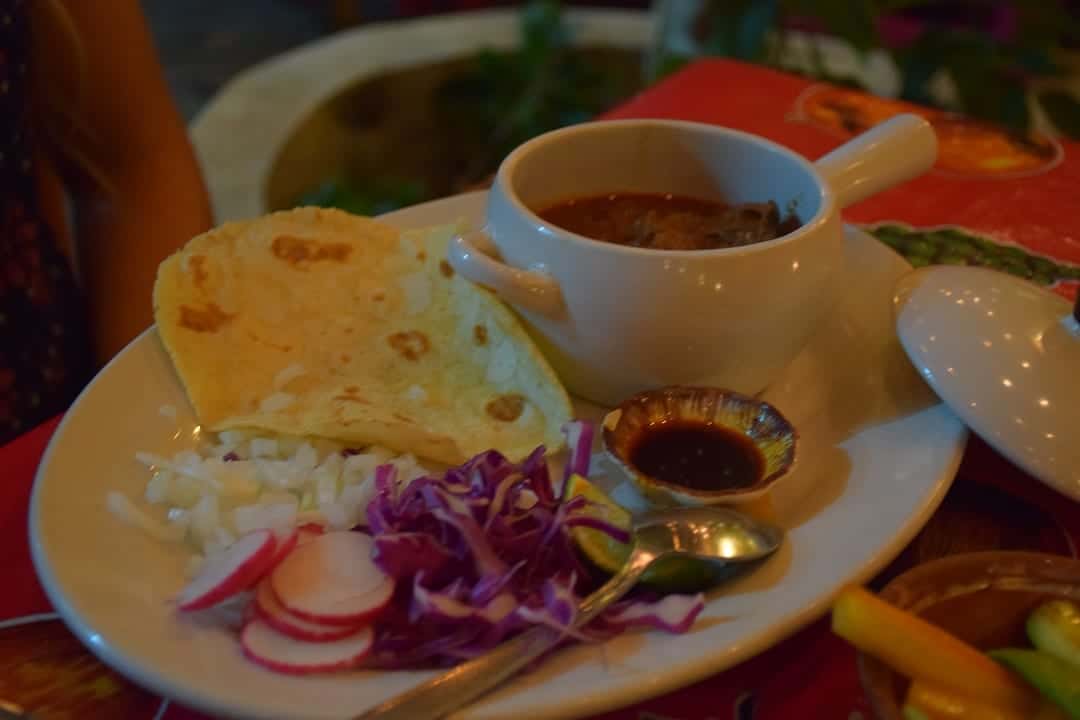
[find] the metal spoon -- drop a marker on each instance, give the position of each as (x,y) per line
(707,533)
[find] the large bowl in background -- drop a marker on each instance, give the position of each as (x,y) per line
(983,598)
(315,113)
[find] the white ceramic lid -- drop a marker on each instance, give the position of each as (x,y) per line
(1004,354)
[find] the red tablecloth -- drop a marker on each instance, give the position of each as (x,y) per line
(811,675)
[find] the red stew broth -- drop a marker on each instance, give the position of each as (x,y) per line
(664,221)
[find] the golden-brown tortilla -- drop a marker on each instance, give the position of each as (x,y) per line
(320,323)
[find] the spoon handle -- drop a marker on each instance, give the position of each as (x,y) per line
(445,693)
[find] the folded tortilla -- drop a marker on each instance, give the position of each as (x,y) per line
(315,322)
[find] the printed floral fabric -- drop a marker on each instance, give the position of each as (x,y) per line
(44,354)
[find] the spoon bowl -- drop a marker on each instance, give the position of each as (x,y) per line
(716,535)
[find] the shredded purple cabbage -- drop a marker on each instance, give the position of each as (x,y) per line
(485,551)
(579,439)
(673,613)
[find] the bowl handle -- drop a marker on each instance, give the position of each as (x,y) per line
(888,154)
(471,255)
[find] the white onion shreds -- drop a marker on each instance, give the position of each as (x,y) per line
(277,497)
(237,481)
(189,462)
(185,463)
(276,516)
(357,468)
(223,537)
(357,497)
(175,514)
(228,453)
(282,475)
(180,522)
(326,487)
(183,491)
(408,469)
(120,506)
(152,461)
(275,402)
(305,457)
(233,438)
(212,547)
(205,518)
(287,375)
(336,516)
(263,447)
(288,446)
(332,464)
(157,489)
(325,479)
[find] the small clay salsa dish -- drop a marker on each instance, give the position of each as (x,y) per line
(699,445)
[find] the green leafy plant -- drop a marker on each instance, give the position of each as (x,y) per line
(374,197)
(543,85)
(499,100)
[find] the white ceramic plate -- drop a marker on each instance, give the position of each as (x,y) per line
(876,455)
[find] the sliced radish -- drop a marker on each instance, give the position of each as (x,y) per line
(332,580)
(231,571)
(270,611)
(281,653)
(308,532)
(286,542)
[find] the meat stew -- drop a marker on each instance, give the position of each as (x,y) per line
(664,221)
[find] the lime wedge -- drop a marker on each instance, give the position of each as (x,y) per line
(602,550)
(667,575)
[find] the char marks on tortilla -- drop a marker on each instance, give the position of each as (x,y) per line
(321,323)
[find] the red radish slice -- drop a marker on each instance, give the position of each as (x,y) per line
(280,653)
(332,580)
(231,571)
(308,532)
(270,611)
(286,542)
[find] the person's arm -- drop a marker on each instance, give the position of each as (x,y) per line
(140,144)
